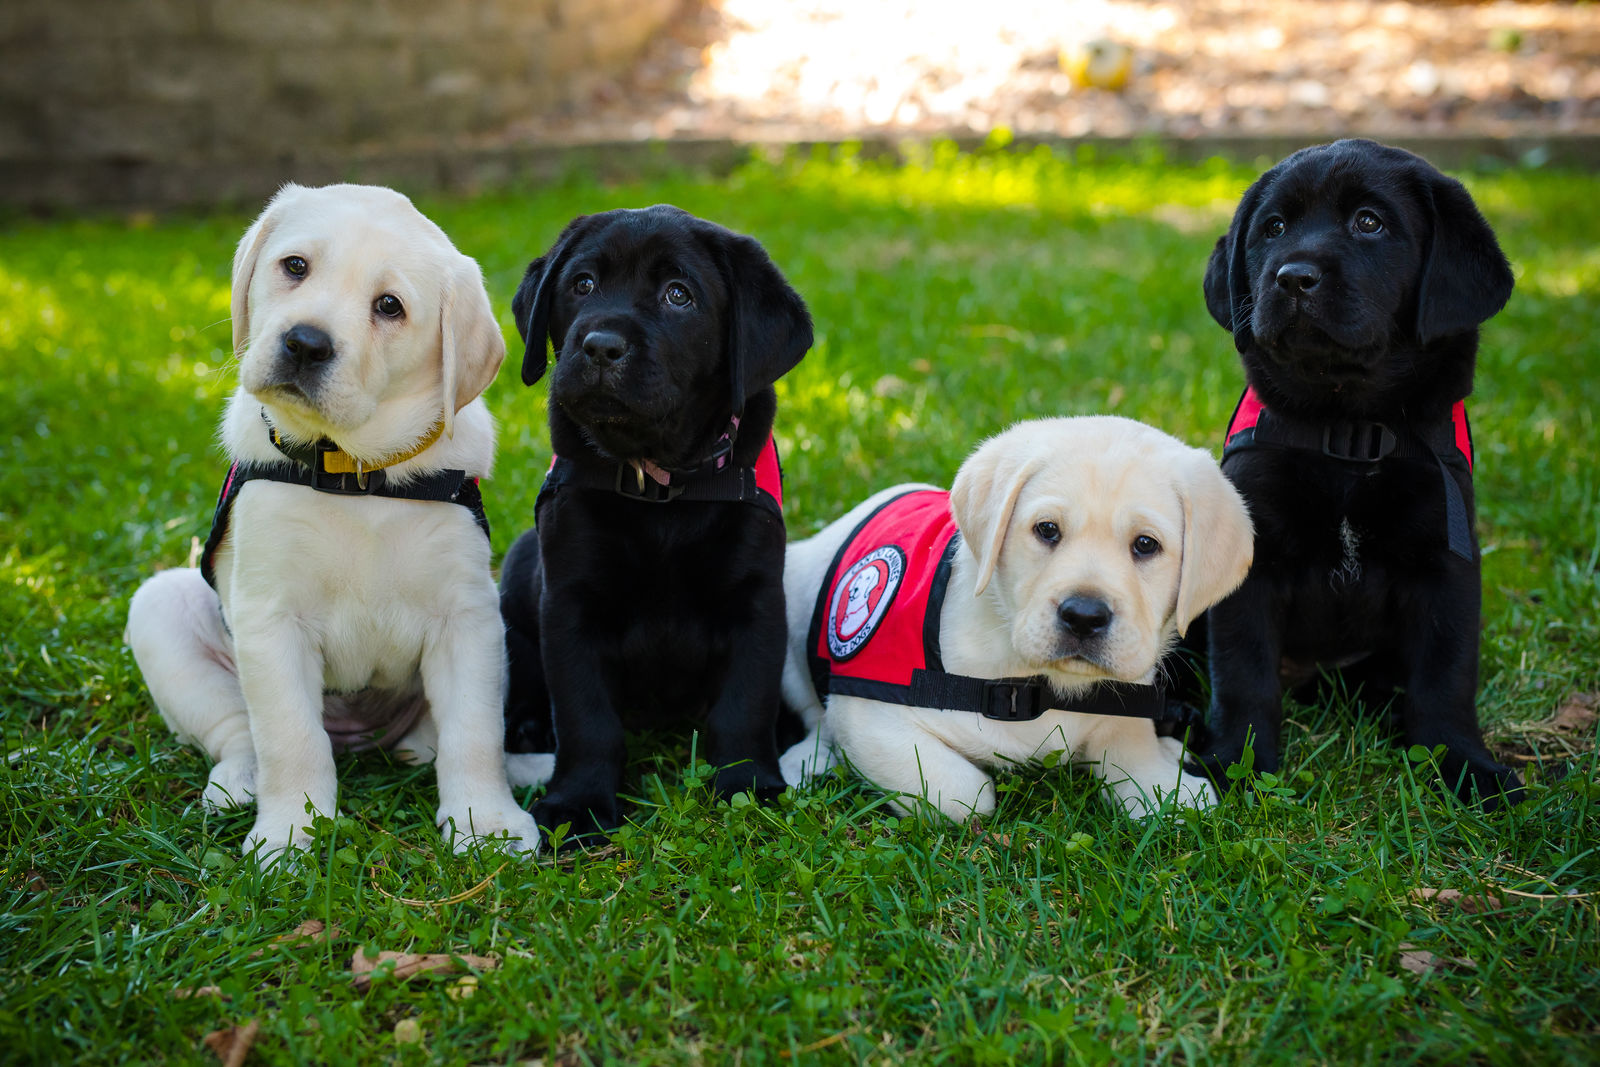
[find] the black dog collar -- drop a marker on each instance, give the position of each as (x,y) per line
(1446,442)
(325,457)
(715,478)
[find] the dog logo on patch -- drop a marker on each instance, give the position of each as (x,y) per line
(861,597)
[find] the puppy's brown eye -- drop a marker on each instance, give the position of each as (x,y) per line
(295,266)
(1367,222)
(1145,546)
(1275,227)
(389,306)
(678,295)
(1048,532)
(584,285)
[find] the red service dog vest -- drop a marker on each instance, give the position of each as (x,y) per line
(876,622)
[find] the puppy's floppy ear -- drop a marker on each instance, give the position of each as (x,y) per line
(1218,539)
(1465,278)
(244,262)
(531,305)
(470,343)
(768,326)
(983,497)
(1227,280)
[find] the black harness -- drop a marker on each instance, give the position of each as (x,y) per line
(304,465)
(715,479)
(1445,442)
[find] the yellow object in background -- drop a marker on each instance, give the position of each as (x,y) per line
(1098,64)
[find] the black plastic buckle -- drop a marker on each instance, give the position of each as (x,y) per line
(1359,442)
(628,484)
(1013,701)
(718,459)
(364,483)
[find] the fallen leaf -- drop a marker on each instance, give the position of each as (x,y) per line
(1421,961)
(1471,903)
(233,1044)
(1417,961)
(185,992)
(310,930)
(407,964)
(1577,714)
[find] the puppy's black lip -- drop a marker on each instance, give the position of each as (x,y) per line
(285,391)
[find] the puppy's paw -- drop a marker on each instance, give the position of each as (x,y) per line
(1489,785)
(231,785)
(761,782)
(1171,747)
(588,824)
(529,768)
(1213,765)
(1196,791)
(1142,800)
(474,825)
(276,836)
(807,760)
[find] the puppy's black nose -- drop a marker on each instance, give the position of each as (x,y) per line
(604,345)
(1084,616)
(1299,277)
(307,344)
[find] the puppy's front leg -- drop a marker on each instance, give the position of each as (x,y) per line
(1439,646)
(741,729)
(1246,639)
(590,747)
(1139,768)
(280,674)
(891,750)
(463,671)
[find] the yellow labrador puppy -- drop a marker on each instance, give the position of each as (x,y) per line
(345,598)
(1022,614)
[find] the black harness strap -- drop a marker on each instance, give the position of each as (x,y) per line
(446,486)
(1007,699)
(1361,441)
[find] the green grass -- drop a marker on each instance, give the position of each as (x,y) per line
(952,297)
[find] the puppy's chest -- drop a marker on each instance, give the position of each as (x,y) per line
(1346,532)
(367,581)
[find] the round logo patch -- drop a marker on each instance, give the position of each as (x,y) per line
(861,597)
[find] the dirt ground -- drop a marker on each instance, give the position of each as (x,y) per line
(824,69)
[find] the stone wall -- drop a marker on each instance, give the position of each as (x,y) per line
(125,103)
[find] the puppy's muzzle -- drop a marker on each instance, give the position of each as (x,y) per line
(1297,278)
(304,353)
(1084,617)
(1084,623)
(604,347)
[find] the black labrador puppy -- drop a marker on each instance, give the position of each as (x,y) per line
(1354,278)
(652,586)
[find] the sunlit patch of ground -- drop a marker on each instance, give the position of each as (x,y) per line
(786,69)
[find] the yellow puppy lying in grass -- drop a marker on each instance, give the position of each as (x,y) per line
(1022,614)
